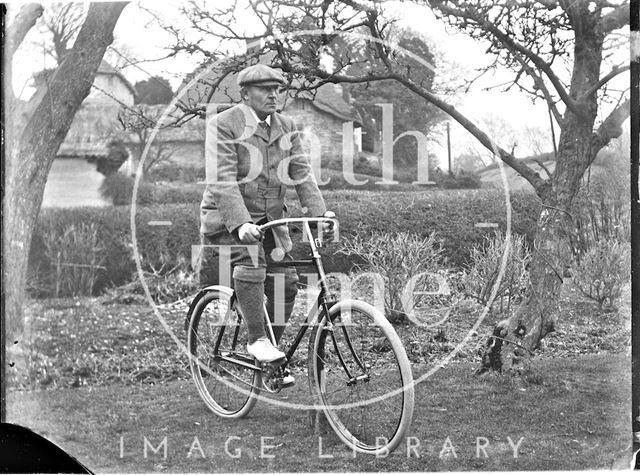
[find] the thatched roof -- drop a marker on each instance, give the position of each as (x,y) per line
(104,68)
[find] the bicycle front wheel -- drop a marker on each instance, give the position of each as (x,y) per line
(361,376)
(217,340)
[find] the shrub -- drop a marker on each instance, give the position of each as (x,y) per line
(337,181)
(451,214)
(601,211)
(177,283)
(119,189)
(171,172)
(76,255)
(486,262)
(398,258)
(367,167)
(602,270)
(160,246)
(461,180)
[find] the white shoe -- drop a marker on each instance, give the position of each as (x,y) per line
(287,381)
(264,351)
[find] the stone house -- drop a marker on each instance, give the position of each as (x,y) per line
(73,179)
(320,114)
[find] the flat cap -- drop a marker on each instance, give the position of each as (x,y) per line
(260,74)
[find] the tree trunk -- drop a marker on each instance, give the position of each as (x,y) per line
(35,139)
(535,317)
(522,332)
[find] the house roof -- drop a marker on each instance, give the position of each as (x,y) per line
(327,98)
(104,68)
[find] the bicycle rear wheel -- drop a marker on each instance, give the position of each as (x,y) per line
(216,334)
(361,375)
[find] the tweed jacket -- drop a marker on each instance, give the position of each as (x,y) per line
(248,170)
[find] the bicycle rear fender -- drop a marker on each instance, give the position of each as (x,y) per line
(199,295)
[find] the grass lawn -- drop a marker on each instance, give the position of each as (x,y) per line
(571,413)
(98,376)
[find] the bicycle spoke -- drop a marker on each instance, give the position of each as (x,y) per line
(372,403)
(225,386)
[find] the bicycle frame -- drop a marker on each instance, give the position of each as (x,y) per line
(320,308)
(318,311)
(217,336)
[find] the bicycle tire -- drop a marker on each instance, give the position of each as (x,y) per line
(383,396)
(229,390)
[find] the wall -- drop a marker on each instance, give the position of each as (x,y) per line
(90,130)
(325,127)
(73,182)
(114,86)
(186,154)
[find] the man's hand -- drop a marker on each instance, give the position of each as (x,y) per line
(249,233)
(327,230)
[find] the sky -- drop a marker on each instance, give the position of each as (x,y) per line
(138,35)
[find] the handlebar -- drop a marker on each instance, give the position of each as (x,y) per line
(306,221)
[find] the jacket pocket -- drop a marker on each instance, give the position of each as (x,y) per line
(249,190)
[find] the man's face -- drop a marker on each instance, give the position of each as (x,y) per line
(262,98)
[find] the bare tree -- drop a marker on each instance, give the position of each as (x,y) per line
(33,137)
(138,126)
(59,26)
(556,51)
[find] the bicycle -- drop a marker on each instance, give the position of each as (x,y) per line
(358,369)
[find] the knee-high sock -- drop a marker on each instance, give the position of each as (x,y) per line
(251,300)
(276,316)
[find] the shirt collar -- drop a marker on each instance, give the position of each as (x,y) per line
(255,116)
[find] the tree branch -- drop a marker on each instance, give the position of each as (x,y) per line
(527,172)
(613,73)
(509,42)
(539,161)
(615,19)
(24,21)
(539,84)
(611,127)
(70,85)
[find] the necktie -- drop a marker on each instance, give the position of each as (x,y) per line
(264,127)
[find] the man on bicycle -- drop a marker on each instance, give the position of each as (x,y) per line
(252,152)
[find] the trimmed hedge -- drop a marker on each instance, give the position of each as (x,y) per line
(451,214)
(173,172)
(119,189)
(460,181)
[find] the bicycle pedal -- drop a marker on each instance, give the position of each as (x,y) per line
(271,367)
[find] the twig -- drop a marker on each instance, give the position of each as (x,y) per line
(514,343)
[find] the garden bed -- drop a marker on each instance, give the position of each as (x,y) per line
(101,341)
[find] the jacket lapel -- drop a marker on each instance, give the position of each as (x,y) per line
(276,128)
(262,133)
(251,124)
(252,128)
